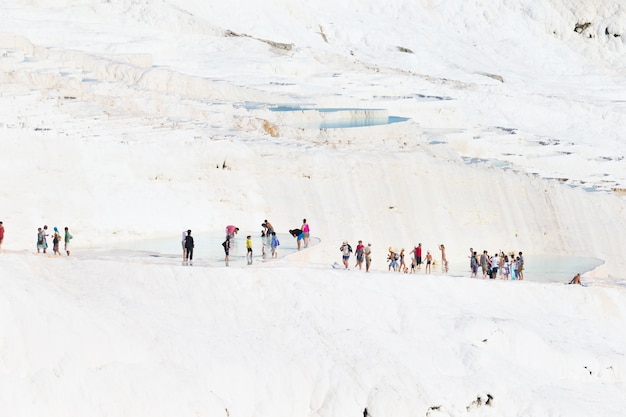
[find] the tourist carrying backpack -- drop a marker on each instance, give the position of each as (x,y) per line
(346,250)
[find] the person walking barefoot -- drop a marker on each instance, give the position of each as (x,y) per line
(368,257)
(66,238)
(360,249)
(56,239)
(429,261)
(444,259)
(345,253)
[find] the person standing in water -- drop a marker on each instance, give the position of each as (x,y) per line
(267,226)
(183,242)
(263,245)
(274,245)
(189,245)
(299,235)
(226,245)
(249,249)
(305,229)
(231,231)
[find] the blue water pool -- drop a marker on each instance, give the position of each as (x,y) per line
(208,248)
(334,118)
(542,268)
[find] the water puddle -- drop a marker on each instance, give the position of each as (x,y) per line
(208,248)
(311,117)
(541,268)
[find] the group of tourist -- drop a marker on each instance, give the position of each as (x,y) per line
(42,240)
(268,238)
(500,265)
(363,253)
(397,260)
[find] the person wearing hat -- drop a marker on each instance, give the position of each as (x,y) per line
(56,238)
(393,259)
(345,252)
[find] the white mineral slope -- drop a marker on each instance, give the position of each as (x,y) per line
(124,338)
(424,193)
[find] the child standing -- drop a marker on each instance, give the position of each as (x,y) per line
(429,261)
(264,240)
(274,244)
(249,249)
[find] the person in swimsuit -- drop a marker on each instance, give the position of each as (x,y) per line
(305,229)
(576,280)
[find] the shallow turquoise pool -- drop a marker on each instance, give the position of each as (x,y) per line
(208,247)
(541,268)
